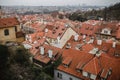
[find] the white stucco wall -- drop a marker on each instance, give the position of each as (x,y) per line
(105,29)
(84,73)
(65,76)
(92,76)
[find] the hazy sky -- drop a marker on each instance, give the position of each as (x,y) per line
(57,2)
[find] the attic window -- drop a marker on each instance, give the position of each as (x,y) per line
(59,34)
(63,29)
(54,32)
(57,27)
(87,28)
(79,67)
(67,61)
(68,45)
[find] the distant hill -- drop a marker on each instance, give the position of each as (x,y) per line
(108,13)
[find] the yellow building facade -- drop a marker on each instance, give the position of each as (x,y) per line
(10,30)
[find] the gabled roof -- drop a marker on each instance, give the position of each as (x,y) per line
(45,58)
(104,73)
(8,22)
(76,57)
(67,60)
(93,66)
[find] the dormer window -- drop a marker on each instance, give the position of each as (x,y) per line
(57,27)
(63,29)
(67,61)
(54,32)
(59,34)
(106,31)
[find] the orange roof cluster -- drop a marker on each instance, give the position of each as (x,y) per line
(79,60)
(44,58)
(57,31)
(75,58)
(8,22)
(88,29)
(112,26)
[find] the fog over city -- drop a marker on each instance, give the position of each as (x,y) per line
(58,2)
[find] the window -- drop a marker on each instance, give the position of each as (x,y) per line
(15,28)
(88,75)
(6,32)
(105,31)
(70,79)
(59,75)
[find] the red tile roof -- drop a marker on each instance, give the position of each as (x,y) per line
(108,62)
(104,73)
(8,22)
(93,66)
(45,58)
(67,60)
(77,57)
(118,33)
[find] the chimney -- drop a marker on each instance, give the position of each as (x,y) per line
(76,36)
(84,36)
(110,71)
(99,42)
(26,37)
(46,30)
(114,44)
(35,42)
(50,53)
(91,40)
(42,50)
(58,39)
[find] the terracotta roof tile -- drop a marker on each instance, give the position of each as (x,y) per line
(8,22)
(77,57)
(93,66)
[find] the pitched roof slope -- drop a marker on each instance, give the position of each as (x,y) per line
(8,22)
(93,66)
(77,57)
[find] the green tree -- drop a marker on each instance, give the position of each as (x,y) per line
(21,56)
(4,66)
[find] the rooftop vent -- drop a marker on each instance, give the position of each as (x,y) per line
(93,51)
(76,36)
(114,44)
(99,42)
(46,30)
(91,40)
(50,53)
(68,45)
(67,61)
(42,50)
(35,42)
(58,39)
(78,46)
